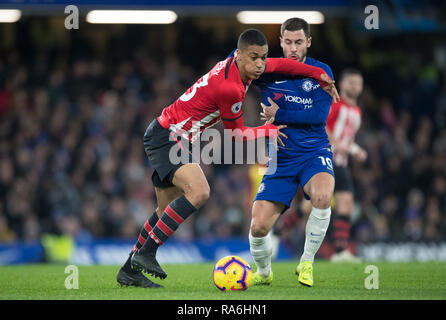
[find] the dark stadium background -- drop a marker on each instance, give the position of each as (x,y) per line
(74,105)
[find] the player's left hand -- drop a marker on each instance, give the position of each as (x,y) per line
(268,111)
(326,78)
(280,134)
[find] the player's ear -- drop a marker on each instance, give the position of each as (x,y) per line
(281,41)
(238,55)
(309,42)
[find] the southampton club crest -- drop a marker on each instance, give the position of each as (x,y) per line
(307,85)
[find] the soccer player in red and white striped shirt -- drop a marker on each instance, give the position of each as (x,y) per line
(342,125)
(182,188)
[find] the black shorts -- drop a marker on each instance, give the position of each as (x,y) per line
(343,178)
(158,143)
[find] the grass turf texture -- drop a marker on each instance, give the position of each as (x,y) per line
(194,282)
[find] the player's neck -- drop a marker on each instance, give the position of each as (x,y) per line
(242,75)
(349,100)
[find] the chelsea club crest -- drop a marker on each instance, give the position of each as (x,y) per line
(307,85)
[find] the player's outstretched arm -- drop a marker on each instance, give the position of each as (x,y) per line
(239,132)
(296,68)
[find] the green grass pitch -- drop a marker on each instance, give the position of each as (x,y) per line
(194,282)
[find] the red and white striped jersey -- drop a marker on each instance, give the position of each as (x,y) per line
(343,122)
(216,95)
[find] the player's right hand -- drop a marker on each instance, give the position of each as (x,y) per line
(340,147)
(361,155)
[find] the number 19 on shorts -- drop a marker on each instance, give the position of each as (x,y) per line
(326,161)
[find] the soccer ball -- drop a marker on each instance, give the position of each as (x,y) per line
(232,273)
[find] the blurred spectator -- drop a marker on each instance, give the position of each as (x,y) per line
(413,215)
(6,234)
(381,227)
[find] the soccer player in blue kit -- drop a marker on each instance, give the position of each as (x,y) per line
(304,159)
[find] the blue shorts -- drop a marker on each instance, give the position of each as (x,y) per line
(282,182)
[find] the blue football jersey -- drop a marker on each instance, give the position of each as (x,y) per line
(304,107)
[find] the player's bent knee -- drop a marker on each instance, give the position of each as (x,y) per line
(204,196)
(258,230)
(199,195)
(321,200)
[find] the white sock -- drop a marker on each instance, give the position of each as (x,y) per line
(315,230)
(261,251)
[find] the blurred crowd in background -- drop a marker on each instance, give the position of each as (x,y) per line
(74,107)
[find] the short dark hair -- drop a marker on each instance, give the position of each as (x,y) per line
(348,72)
(251,37)
(294,24)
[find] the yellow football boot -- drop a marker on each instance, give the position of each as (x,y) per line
(305,273)
(258,280)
